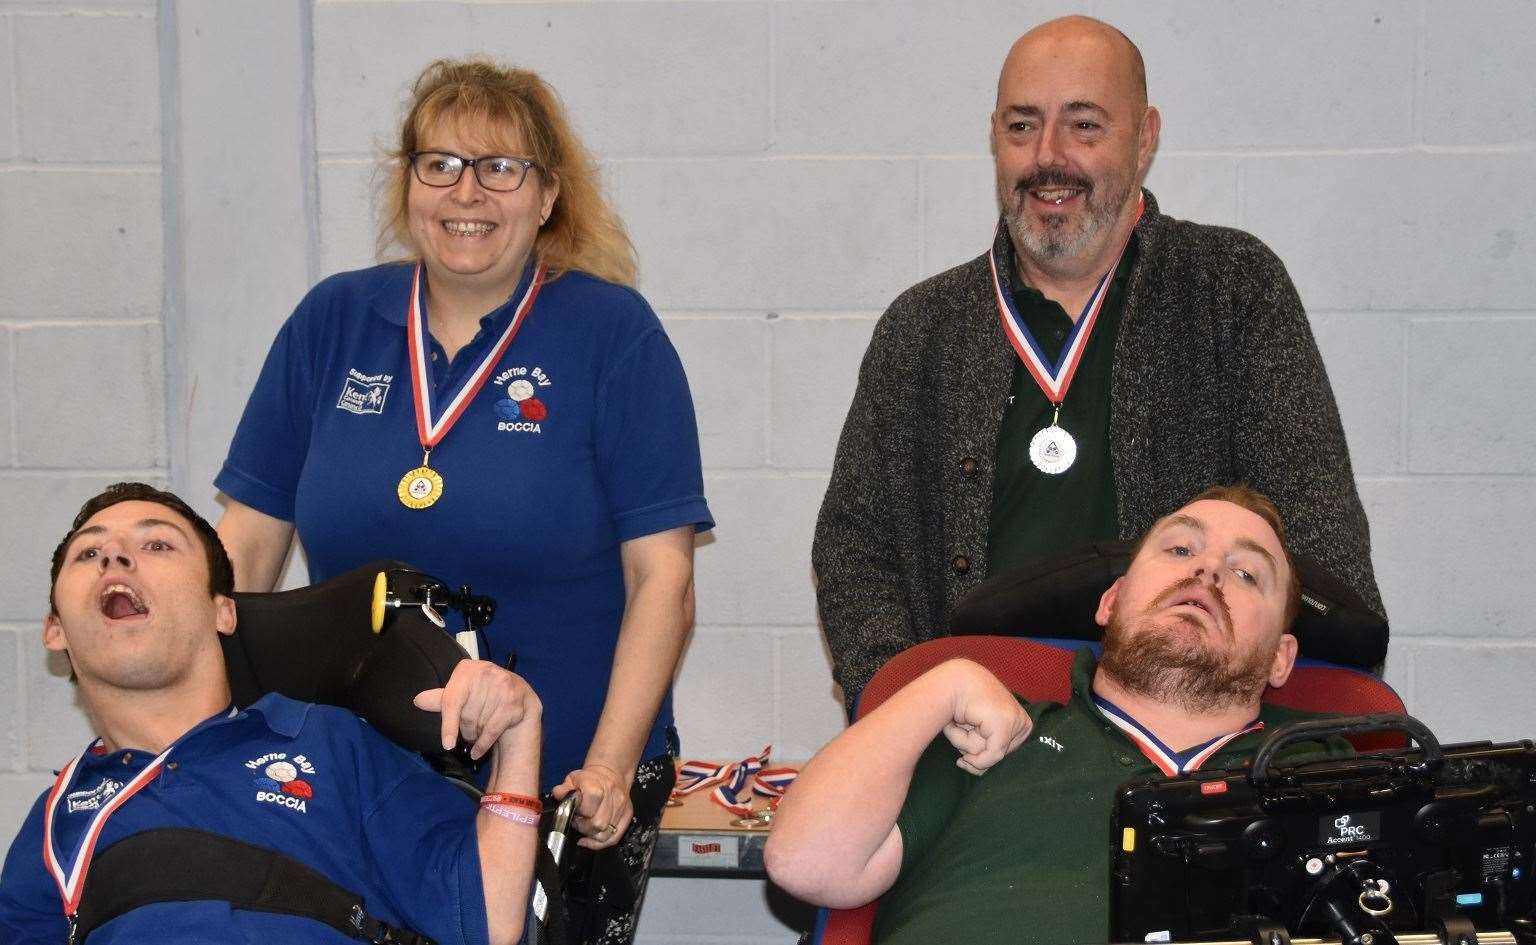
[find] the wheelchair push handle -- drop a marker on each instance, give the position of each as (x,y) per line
(1314,729)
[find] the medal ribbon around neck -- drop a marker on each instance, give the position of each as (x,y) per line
(1053,380)
(71,881)
(430,431)
(1168,761)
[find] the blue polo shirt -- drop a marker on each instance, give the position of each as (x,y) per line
(312,782)
(582,438)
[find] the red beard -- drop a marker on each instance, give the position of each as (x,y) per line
(1174,664)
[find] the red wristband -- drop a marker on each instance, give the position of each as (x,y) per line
(513,800)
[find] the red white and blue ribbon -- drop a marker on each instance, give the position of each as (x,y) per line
(431,431)
(1054,379)
(1168,761)
(70,878)
(697,775)
(773,782)
(751,775)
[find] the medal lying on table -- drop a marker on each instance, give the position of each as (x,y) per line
(770,783)
(423,486)
(1052,449)
(729,780)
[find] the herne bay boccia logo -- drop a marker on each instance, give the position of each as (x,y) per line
(279,781)
(521,410)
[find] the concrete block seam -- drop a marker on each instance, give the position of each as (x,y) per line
(772,78)
(173,274)
(32,166)
(21,325)
(1420,69)
(1406,393)
(20,763)
(777,683)
(13,421)
(14,81)
(147,12)
(149,474)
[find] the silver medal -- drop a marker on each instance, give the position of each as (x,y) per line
(1052,450)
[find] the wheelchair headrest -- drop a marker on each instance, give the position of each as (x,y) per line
(318,644)
(1057,595)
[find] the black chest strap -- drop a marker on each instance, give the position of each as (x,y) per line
(172,864)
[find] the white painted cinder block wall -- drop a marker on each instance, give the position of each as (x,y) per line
(173,176)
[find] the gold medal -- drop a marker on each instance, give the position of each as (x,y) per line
(420,488)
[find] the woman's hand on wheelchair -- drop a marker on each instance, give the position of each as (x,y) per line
(485,704)
(605,810)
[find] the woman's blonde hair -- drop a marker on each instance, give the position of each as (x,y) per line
(515,106)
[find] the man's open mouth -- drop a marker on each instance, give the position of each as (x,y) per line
(119,601)
(1055,195)
(1206,606)
(1054,187)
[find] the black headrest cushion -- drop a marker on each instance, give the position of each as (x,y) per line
(1057,595)
(316,644)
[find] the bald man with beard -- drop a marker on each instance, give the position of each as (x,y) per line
(896,808)
(1097,366)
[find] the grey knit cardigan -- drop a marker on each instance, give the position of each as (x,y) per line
(1216,379)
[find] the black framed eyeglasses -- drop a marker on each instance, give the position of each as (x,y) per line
(498,172)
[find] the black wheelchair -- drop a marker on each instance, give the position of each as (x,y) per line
(369,641)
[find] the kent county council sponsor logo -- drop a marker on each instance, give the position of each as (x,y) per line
(364,393)
(278,781)
(521,410)
(92,798)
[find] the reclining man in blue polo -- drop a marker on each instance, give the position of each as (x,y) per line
(1194,631)
(141,588)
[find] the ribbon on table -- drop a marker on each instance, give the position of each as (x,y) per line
(751,775)
(772,783)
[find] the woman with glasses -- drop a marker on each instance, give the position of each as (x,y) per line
(502,409)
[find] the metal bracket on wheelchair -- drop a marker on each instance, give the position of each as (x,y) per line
(430,597)
(563,815)
(1314,729)
(1495,937)
(1262,931)
(555,843)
